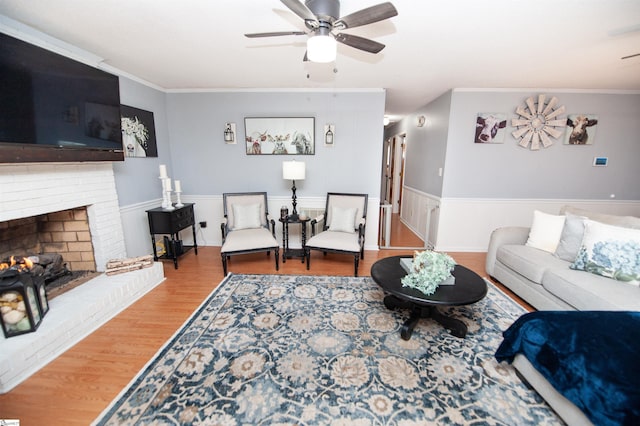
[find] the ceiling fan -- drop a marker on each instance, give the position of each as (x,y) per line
(624,31)
(322,18)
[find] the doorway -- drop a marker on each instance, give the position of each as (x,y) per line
(393,232)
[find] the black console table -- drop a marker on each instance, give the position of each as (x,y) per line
(171,222)
(289,253)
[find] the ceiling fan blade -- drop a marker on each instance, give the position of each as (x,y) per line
(366,16)
(275,34)
(300,9)
(360,42)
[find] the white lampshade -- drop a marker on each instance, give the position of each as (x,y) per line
(293,170)
(321,48)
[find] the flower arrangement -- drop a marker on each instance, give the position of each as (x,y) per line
(429,269)
(133,126)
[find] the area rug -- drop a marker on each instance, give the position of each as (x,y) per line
(323,350)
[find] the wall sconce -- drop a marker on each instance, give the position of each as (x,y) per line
(422,120)
(230,133)
(329,134)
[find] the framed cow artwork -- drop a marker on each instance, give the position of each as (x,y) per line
(581,129)
(490,127)
(280,135)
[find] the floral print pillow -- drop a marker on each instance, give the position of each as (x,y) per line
(610,251)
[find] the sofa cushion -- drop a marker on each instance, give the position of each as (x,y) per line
(528,261)
(610,251)
(545,231)
(571,237)
(609,219)
(585,291)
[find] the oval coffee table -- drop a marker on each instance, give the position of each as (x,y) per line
(468,288)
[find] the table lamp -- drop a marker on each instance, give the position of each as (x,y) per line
(293,170)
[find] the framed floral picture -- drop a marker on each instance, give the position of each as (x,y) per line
(138,132)
(280,136)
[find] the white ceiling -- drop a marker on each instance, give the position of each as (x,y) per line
(432,46)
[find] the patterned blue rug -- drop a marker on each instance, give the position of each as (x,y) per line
(309,350)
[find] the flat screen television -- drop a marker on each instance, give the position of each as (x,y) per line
(53,108)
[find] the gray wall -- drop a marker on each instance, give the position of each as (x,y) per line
(137,178)
(510,171)
(189,132)
(206,165)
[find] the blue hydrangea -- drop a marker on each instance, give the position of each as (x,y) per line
(614,259)
(429,269)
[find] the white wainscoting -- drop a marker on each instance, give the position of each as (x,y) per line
(465,224)
(418,208)
(209,208)
(457,224)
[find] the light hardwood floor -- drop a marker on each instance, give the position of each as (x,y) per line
(78,385)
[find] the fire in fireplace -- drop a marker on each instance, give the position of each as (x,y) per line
(48,266)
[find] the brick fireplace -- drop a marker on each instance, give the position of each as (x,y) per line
(71,207)
(33,190)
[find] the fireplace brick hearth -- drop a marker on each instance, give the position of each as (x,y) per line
(71,317)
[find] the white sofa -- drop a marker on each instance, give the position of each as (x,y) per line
(546,282)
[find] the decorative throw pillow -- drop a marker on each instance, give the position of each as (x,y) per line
(246,216)
(545,231)
(343,219)
(571,237)
(610,251)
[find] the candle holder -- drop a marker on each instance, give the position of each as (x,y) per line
(179,202)
(166,194)
(164,191)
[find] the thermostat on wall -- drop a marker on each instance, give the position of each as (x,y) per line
(600,161)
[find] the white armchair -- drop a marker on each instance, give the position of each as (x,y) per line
(247,227)
(343,229)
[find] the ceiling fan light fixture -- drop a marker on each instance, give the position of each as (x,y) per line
(321,48)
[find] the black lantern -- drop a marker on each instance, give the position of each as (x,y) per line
(41,291)
(19,304)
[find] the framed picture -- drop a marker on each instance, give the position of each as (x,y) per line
(138,132)
(490,127)
(280,136)
(581,129)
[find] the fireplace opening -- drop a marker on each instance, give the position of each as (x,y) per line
(58,246)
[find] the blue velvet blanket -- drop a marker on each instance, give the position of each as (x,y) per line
(590,357)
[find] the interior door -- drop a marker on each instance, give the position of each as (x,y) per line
(393,169)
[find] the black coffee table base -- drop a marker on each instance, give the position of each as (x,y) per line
(455,326)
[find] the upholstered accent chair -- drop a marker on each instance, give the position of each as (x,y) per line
(247,227)
(343,228)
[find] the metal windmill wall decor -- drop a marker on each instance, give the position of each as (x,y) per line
(537,124)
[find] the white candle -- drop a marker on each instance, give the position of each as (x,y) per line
(178,186)
(168,180)
(163,171)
